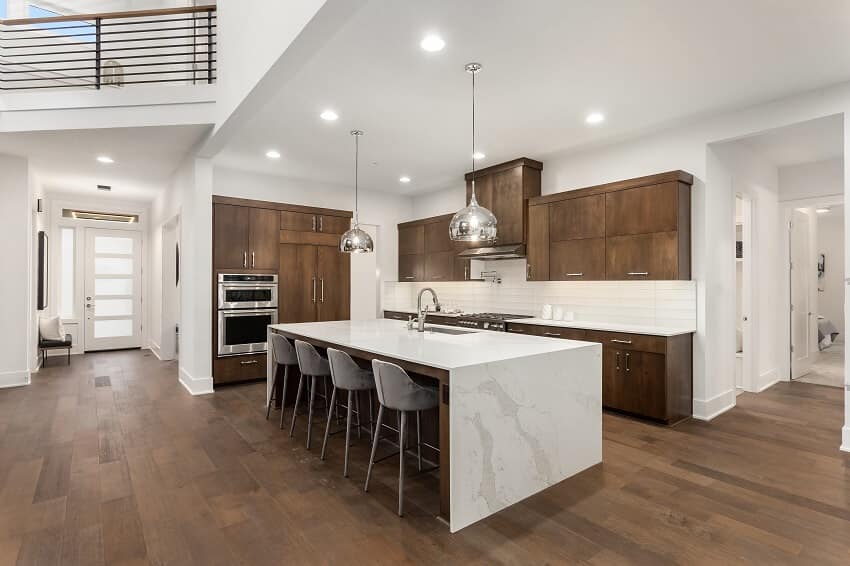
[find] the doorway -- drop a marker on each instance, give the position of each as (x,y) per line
(801,281)
(743,294)
(112,289)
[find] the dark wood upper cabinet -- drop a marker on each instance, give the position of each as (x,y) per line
(437,236)
(264,233)
(633,229)
(333,224)
(411,267)
(439,266)
(538,243)
(298,221)
(427,253)
(411,239)
(505,189)
(230,236)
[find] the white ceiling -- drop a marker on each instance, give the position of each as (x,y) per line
(806,142)
(547,63)
(65,161)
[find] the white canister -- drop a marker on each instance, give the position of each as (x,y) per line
(547,312)
(558,313)
(568,316)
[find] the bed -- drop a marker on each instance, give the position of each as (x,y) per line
(827,333)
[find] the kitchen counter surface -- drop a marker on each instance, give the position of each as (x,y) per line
(608,326)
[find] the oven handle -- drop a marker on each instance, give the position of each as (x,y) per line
(246,312)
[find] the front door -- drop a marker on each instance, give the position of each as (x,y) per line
(112,289)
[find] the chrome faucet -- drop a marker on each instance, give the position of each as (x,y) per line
(423,313)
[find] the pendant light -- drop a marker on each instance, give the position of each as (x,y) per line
(356,240)
(473,223)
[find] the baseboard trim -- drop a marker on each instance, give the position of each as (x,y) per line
(196,386)
(708,409)
(14,379)
(845,439)
(769,378)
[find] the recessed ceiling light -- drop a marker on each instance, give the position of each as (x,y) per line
(595,118)
(329,115)
(478,155)
(432,43)
(404,179)
(105,159)
(821,210)
(273,154)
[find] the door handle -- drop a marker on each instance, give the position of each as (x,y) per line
(628,357)
(638,273)
(314,289)
(252,260)
(617,341)
(323,289)
(618,361)
(466,273)
(314,223)
(321,224)
(244,259)
(574,274)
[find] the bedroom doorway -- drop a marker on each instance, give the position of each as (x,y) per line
(827,363)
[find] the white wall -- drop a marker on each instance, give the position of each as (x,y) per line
(812,180)
(16,220)
(830,242)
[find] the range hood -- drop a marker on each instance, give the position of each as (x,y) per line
(514,251)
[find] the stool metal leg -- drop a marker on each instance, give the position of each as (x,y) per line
(419,438)
(328,425)
(357,405)
(310,410)
(283,395)
(371,414)
(272,396)
(403,434)
(297,401)
(347,431)
(375,441)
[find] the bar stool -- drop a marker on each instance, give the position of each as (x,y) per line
(396,390)
(283,353)
(347,376)
(314,366)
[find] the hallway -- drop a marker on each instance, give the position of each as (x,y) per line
(111,461)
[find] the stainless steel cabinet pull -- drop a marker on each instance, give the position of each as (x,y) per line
(314,289)
(628,357)
(323,289)
(574,274)
(321,224)
(517,330)
(558,334)
(617,341)
(528,272)
(248,363)
(244,259)
(252,260)
(638,273)
(437,277)
(314,223)
(466,273)
(618,361)
(408,276)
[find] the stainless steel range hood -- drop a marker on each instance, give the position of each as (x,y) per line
(515,251)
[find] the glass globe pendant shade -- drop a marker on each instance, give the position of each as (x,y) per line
(356,241)
(473,223)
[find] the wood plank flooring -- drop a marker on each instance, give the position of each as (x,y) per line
(111,461)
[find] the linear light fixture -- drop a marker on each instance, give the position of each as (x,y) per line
(105,216)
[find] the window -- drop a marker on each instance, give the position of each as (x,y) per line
(66,273)
(80,30)
(2,8)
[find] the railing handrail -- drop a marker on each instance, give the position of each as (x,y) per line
(111,15)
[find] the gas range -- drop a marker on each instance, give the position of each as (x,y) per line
(487,320)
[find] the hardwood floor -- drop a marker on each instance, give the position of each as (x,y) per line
(111,461)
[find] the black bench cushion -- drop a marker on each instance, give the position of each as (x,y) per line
(66,343)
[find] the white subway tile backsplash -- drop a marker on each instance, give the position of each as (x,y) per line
(659,303)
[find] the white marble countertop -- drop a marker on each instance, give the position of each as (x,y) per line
(391,338)
(608,326)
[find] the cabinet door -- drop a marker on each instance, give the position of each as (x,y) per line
(620,388)
(298,221)
(538,243)
(263,239)
(460,269)
(647,370)
(411,267)
(642,256)
(230,236)
(334,285)
(507,202)
(333,224)
(483,191)
(439,266)
(577,260)
(437,237)
(298,284)
(577,218)
(411,240)
(654,208)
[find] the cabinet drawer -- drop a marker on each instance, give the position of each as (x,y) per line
(520,328)
(577,260)
(239,368)
(644,256)
(565,333)
(627,341)
(642,210)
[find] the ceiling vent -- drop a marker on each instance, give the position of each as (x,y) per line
(104,188)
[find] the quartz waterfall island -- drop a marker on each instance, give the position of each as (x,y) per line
(517,413)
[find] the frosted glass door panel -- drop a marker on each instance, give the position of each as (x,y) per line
(113,307)
(113,245)
(113,266)
(113,328)
(106,287)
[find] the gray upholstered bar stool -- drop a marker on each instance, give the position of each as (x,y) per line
(283,354)
(314,366)
(347,376)
(396,390)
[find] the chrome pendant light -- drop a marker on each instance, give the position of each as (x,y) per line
(473,223)
(356,240)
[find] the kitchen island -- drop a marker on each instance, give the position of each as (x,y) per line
(517,413)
